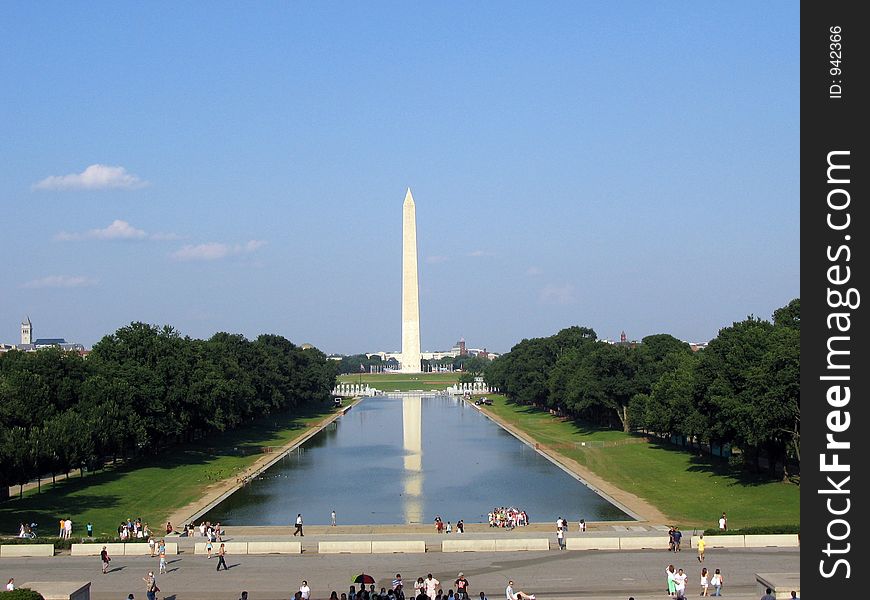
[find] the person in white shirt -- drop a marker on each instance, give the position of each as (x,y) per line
(10,585)
(509,591)
(723,522)
(680,583)
(67,529)
(306,591)
(430,584)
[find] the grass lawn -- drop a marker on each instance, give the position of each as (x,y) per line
(403,382)
(692,490)
(153,487)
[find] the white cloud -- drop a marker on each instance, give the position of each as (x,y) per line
(477,253)
(434,260)
(95,177)
(532,271)
(558,294)
(117,230)
(215,250)
(60,281)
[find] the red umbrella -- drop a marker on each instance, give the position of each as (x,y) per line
(363,578)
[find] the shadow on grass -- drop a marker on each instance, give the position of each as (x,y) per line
(65,497)
(43,509)
(704,463)
(579,426)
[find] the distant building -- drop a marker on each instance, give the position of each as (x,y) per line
(26,331)
(28,344)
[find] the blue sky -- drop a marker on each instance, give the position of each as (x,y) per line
(241,167)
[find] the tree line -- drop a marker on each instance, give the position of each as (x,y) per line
(140,389)
(742,390)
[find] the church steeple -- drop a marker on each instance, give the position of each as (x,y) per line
(26,331)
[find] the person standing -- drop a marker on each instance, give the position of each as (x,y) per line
(151,588)
(332,517)
(104,557)
(768,595)
(222,552)
(723,523)
(162,568)
(560,538)
(716,581)
(680,584)
(701,546)
(208,548)
(305,590)
(152,547)
(298,526)
(672,584)
(509,591)
(461,586)
(430,584)
(90,529)
(678,536)
(62,528)
(582,525)
(449,527)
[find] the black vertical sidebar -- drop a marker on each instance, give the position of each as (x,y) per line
(835,225)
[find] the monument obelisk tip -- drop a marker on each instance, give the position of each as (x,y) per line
(409,197)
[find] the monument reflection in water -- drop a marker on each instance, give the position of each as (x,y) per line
(405,459)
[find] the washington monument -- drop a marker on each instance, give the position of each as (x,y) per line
(410,289)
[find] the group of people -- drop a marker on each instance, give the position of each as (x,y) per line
(508,517)
(131,529)
(424,588)
(677,582)
(212,532)
(26,530)
(440,527)
(65,529)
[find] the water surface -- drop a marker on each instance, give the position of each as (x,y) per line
(406,459)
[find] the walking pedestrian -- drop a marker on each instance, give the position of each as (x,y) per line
(560,538)
(509,591)
(680,584)
(671,573)
(716,581)
(104,556)
(298,526)
(222,551)
(151,588)
(162,568)
(332,517)
(431,584)
(705,582)
(461,586)
(306,591)
(208,548)
(701,546)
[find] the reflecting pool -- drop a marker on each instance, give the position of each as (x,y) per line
(406,459)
